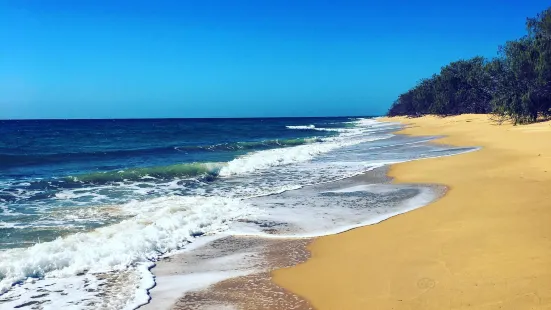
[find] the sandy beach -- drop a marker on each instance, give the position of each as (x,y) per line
(485,245)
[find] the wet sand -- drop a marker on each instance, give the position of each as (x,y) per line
(229,273)
(233,272)
(485,245)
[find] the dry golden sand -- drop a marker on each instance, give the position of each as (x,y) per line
(485,245)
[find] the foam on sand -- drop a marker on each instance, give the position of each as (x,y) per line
(307,212)
(486,244)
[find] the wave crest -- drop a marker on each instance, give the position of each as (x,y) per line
(301,127)
(250,145)
(313,127)
(163,172)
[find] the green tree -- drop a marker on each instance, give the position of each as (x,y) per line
(516,85)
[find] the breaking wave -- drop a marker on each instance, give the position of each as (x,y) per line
(313,127)
(159,226)
(301,127)
(277,157)
(248,163)
(164,172)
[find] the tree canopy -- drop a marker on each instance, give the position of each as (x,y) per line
(516,85)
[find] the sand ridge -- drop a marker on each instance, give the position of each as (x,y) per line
(485,245)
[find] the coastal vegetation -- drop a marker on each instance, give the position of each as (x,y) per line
(515,85)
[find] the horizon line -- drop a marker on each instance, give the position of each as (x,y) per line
(178,118)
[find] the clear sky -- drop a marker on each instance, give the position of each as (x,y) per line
(207,58)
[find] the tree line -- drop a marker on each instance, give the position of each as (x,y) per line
(515,85)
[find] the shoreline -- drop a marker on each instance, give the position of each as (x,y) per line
(485,245)
(251,287)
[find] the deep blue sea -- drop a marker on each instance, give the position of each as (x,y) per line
(82,198)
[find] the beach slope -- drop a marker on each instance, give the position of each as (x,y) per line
(485,245)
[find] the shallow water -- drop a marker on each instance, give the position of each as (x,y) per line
(234,272)
(81,228)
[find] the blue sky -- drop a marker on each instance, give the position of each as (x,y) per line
(206,58)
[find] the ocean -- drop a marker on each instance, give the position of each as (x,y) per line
(88,207)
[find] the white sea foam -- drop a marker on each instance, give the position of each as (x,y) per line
(88,291)
(68,194)
(374,123)
(7,225)
(313,127)
(320,213)
(159,226)
(173,287)
(5,211)
(301,127)
(277,157)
